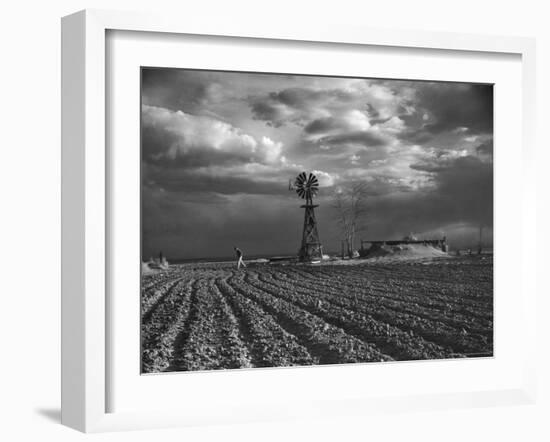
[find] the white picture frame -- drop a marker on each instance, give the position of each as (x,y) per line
(85,203)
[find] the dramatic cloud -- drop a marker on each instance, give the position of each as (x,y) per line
(188,91)
(461,195)
(219,149)
(457,106)
(180,138)
(298,105)
(450,107)
(353,120)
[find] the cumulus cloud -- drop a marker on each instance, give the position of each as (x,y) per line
(325,179)
(342,122)
(199,154)
(174,137)
(355,104)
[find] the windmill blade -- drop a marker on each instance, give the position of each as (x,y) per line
(312,182)
(306,185)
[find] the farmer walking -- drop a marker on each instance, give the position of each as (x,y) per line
(239,257)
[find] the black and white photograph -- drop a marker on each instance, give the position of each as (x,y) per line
(302,220)
(252,222)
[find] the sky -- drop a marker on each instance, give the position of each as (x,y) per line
(218,150)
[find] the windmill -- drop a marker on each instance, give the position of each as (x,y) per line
(306,187)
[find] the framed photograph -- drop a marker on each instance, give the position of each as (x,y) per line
(292,223)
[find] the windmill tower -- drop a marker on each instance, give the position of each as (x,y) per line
(306,187)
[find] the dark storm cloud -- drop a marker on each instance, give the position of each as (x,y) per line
(321,125)
(154,141)
(462,192)
(304,98)
(295,105)
(364,138)
(376,121)
(456,106)
(415,131)
(272,114)
(375,115)
(440,108)
(175,89)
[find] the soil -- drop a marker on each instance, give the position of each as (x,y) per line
(396,307)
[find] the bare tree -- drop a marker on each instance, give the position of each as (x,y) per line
(350,203)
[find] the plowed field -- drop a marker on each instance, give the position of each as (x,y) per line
(213,316)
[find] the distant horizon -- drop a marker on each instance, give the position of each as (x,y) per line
(231,257)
